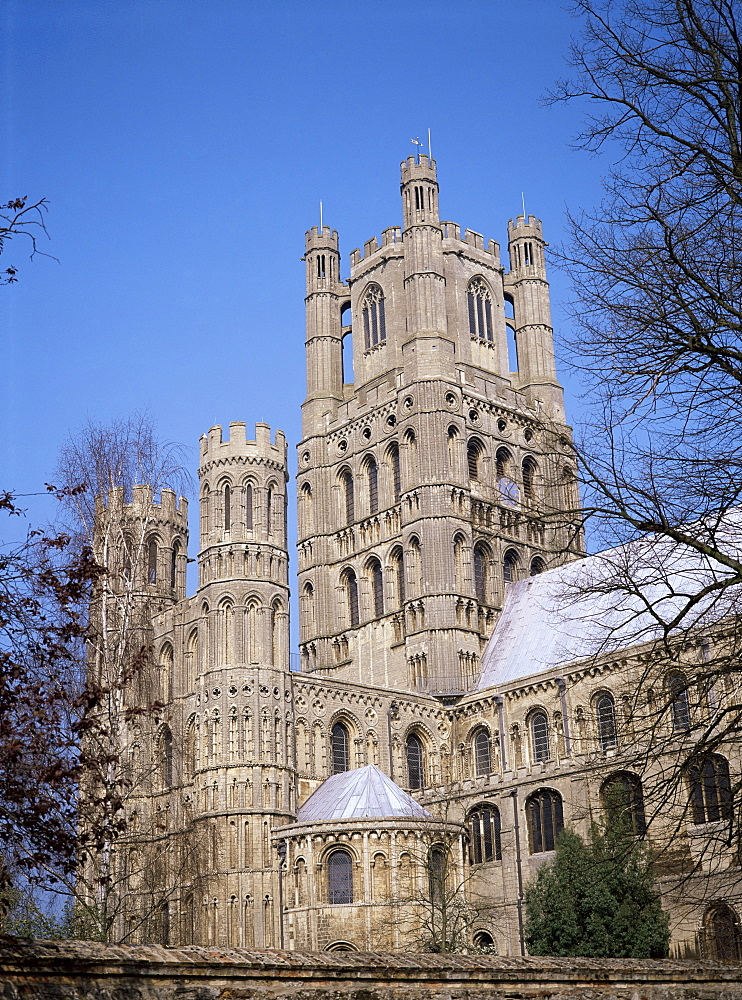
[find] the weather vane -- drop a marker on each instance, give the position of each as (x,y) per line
(417,143)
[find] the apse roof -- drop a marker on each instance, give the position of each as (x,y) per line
(365,792)
(616,599)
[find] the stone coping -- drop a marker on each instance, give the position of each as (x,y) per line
(47,959)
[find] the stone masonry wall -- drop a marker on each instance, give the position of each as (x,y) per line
(80,970)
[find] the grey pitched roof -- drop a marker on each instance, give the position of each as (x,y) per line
(358,794)
(616,599)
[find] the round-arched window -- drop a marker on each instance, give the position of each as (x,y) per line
(340,877)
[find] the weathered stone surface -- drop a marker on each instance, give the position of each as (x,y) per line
(81,970)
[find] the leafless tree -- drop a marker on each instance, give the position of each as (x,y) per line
(439,904)
(658,341)
(127,831)
(19,219)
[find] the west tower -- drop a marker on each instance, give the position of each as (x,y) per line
(439,475)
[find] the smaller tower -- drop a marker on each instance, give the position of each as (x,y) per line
(428,351)
(144,545)
(325,300)
(534,336)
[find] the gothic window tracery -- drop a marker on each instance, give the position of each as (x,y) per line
(484,833)
(479,303)
(710,789)
(623,801)
(374,320)
(545,819)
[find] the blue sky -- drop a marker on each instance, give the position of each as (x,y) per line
(184,145)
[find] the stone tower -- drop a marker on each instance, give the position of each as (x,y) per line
(438,474)
(244,767)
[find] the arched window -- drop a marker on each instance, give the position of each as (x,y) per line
(415,761)
(377,587)
(306,518)
(529,478)
(677,688)
(483,939)
(340,877)
(605,711)
(623,801)
(481,572)
(484,835)
(269,510)
(372,472)
(398,564)
(248,506)
(174,564)
(710,789)
(349,496)
(205,499)
(474,451)
(569,489)
(482,752)
(308,609)
(374,322)
(350,584)
(459,549)
(436,873)
(166,749)
(152,561)
(396,472)
(340,741)
(479,302)
(227,508)
(545,819)
(502,464)
(540,736)
(537,566)
(510,564)
(720,936)
(415,565)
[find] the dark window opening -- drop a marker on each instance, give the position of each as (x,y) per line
(340,877)
(710,790)
(545,820)
(605,710)
(415,761)
(152,561)
(340,748)
(540,736)
(484,833)
(482,752)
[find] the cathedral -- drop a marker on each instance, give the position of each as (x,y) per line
(450,710)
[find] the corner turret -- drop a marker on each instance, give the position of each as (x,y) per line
(527,288)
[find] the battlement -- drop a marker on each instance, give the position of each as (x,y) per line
(391,236)
(521,227)
(324,239)
(214,447)
(412,170)
(169,507)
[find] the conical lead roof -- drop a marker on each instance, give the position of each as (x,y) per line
(365,792)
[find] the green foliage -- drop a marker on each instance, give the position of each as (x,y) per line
(23,915)
(597,899)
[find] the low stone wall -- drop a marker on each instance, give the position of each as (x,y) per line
(82,970)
